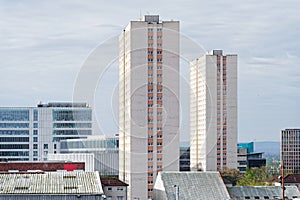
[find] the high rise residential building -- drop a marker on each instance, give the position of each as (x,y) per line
(30,133)
(290,150)
(213,112)
(148,103)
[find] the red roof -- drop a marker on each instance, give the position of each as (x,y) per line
(292,178)
(112,182)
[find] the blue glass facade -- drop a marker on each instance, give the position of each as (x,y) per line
(44,125)
(72,115)
(14,132)
(249,146)
(14,115)
(14,125)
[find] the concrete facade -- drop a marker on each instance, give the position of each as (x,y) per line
(148,103)
(87,158)
(213,112)
(290,149)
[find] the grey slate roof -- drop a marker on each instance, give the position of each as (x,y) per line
(262,192)
(194,185)
(51,183)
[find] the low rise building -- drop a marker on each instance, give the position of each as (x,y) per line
(51,186)
(262,192)
(104,148)
(210,186)
(87,158)
(247,158)
(46,166)
(114,189)
(189,185)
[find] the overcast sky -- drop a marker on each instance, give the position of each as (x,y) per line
(44,44)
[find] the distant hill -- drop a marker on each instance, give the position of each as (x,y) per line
(270,149)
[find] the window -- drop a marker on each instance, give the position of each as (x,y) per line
(159,29)
(54,146)
(72,115)
(109,198)
(35,153)
(119,188)
(14,132)
(35,125)
(35,115)
(159,60)
(45,146)
(35,132)
(35,146)
(150,37)
(14,115)
(119,197)
(35,139)
(109,188)
(159,37)
(150,29)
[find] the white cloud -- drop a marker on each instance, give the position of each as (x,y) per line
(44,43)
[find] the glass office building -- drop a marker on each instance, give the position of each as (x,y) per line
(30,133)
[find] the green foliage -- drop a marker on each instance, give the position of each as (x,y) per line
(255,177)
(232,175)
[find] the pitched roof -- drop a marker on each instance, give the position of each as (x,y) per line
(292,178)
(194,185)
(262,192)
(112,182)
(51,183)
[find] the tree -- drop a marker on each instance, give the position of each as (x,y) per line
(255,177)
(231,174)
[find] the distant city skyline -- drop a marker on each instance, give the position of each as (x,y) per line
(44,45)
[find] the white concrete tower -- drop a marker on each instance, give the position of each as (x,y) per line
(213,112)
(148,103)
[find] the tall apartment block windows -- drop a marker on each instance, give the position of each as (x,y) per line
(213,112)
(150,69)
